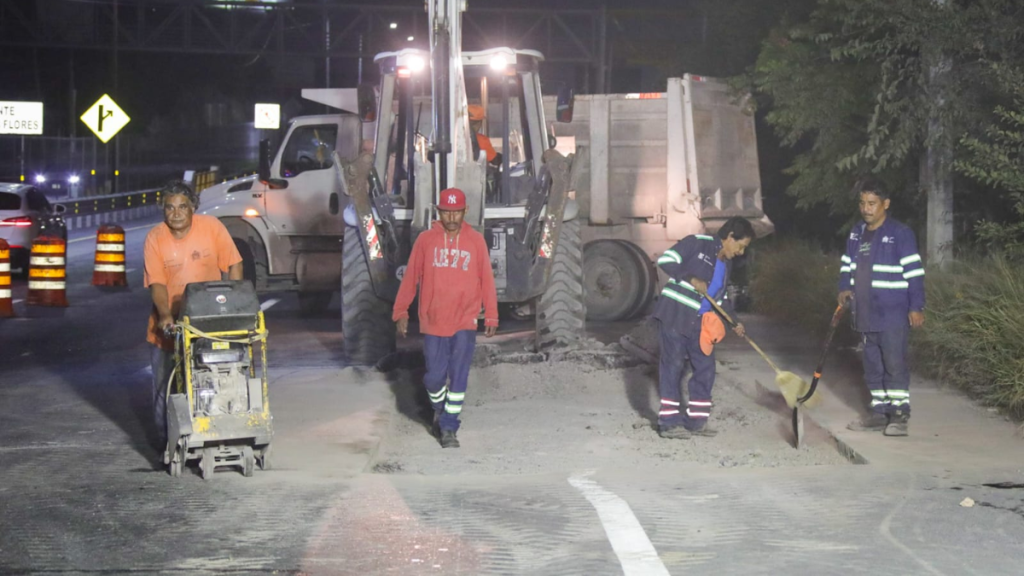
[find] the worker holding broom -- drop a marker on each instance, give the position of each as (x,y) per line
(697,265)
(883,274)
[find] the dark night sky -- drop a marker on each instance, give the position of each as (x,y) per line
(152,84)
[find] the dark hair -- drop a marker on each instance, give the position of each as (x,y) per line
(738,226)
(179,188)
(872,185)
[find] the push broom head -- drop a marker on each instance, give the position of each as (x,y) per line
(793,387)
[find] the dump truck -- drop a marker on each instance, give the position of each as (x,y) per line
(653,168)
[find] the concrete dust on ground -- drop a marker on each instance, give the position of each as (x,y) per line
(529,417)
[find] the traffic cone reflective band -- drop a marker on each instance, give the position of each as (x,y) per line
(109,267)
(46,278)
(6,307)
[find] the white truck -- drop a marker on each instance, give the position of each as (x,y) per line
(287,223)
(655,167)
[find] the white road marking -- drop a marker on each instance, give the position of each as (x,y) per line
(627,537)
(885,529)
(269,303)
(16,301)
(129,271)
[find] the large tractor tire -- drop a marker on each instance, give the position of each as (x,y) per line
(561,311)
(366,322)
(648,280)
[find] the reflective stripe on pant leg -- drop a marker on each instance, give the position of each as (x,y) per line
(436,352)
(463,343)
(874,372)
(701,383)
(893,344)
(671,363)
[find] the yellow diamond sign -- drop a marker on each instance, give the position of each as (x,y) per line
(105,118)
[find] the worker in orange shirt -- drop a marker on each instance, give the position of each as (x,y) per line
(482,142)
(184,248)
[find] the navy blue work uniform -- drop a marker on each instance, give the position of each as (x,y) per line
(885,272)
(678,312)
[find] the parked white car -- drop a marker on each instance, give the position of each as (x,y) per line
(26,213)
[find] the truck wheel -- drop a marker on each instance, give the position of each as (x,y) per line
(314,303)
(648,279)
(613,280)
(561,311)
(366,322)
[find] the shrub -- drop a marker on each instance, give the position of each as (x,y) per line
(797,283)
(974,331)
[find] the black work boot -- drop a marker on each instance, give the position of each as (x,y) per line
(898,424)
(448,439)
(435,428)
(875,422)
(674,432)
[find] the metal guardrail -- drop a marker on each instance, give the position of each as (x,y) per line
(109,203)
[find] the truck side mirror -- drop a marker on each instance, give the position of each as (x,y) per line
(565,102)
(366,97)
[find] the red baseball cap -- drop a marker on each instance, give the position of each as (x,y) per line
(452,199)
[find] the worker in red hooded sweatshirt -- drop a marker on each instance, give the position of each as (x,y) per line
(451,267)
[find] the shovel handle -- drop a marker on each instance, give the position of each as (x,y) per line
(836,316)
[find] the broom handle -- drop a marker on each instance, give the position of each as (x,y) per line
(745,337)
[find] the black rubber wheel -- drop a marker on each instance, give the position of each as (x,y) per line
(314,303)
(613,280)
(369,333)
(248,462)
(265,462)
(207,463)
(648,279)
(561,310)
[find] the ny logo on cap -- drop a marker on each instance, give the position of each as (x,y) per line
(451,198)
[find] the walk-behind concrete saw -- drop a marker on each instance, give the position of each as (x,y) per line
(218,411)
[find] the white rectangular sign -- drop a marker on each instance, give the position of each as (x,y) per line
(21,117)
(268,116)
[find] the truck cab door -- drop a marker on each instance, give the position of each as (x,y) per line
(306,163)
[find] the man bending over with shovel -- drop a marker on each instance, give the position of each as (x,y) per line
(688,328)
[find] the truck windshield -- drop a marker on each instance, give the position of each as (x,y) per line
(309,148)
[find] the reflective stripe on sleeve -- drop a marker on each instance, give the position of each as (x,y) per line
(910,259)
(889,269)
(913,273)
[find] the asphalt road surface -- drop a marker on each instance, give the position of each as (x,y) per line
(560,471)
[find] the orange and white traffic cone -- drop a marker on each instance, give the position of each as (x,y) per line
(108,269)
(6,306)
(46,273)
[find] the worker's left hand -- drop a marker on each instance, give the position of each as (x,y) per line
(916,319)
(739,330)
(490,331)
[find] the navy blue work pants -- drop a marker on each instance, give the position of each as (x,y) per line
(448,362)
(885,369)
(678,350)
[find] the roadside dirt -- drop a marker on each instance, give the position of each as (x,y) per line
(528,417)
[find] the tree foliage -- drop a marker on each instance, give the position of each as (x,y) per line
(854,85)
